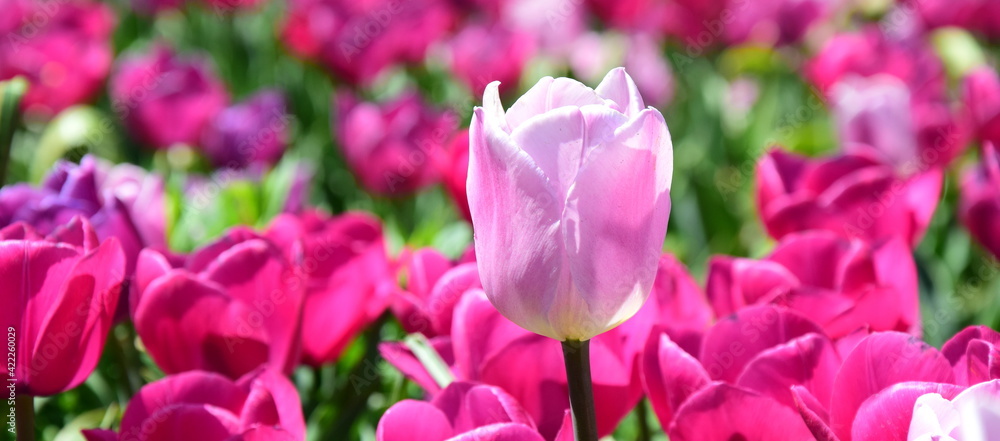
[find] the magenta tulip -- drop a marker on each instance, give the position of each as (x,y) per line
(677,305)
(455,172)
(974,354)
(434,285)
(358,41)
(348,277)
(252,132)
(481,54)
(60,297)
(233,306)
(261,406)
(150,88)
(981,96)
(576,181)
(393,148)
(776,22)
(852,194)
(461,412)
(980,205)
(64,51)
(841,284)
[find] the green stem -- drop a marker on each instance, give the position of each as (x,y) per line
(11,92)
(581,389)
(24,409)
(644,434)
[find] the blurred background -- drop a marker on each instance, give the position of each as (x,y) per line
(237,110)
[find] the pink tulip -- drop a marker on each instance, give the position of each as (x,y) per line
(252,132)
(120,201)
(455,171)
(586,218)
(260,406)
(63,50)
(980,205)
(677,305)
(852,194)
(357,41)
(480,54)
(776,22)
(148,89)
(974,354)
(234,305)
(434,285)
(975,15)
(60,296)
(740,385)
(981,96)
(640,53)
(347,275)
(392,148)
(841,284)
(461,412)
(972,414)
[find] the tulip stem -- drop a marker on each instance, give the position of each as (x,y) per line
(581,389)
(24,410)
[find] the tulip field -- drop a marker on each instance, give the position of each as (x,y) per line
(500,220)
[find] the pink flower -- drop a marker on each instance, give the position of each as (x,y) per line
(149,89)
(975,15)
(841,284)
(61,292)
(63,50)
(974,354)
(392,148)
(455,171)
(980,204)
(260,406)
(972,414)
(981,96)
(434,285)
(252,132)
(851,194)
(359,40)
(542,177)
(230,307)
(348,277)
(594,53)
(462,411)
(480,54)
(777,22)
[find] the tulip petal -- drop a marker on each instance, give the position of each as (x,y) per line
(469,406)
(724,412)
(188,388)
(273,400)
(813,414)
(100,435)
(809,360)
(204,423)
(400,421)
(614,224)
(507,189)
(886,415)
(548,94)
(734,283)
(881,360)
(670,376)
(961,350)
(618,87)
(500,432)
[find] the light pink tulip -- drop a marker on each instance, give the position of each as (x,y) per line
(973,414)
(60,295)
(261,406)
(851,194)
(841,284)
(569,195)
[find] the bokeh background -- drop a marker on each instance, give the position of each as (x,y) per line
(243,109)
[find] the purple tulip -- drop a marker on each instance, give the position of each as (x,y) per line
(359,40)
(234,305)
(63,50)
(151,88)
(252,132)
(980,204)
(852,194)
(393,148)
(261,406)
(841,284)
(347,275)
(120,201)
(462,411)
(577,182)
(60,295)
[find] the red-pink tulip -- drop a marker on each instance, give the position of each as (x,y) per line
(359,40)
(461,412)
(233,306)
(151,88)
(455,171)
(576,180)
(841,284)
(434,285)
(260,406)
(852,194)
(347,275)
(60,297)
(480,54)
(980,205)
(63,50)
(392,148)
